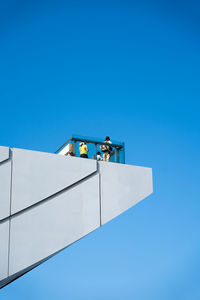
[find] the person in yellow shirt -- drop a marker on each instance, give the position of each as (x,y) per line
(83,150)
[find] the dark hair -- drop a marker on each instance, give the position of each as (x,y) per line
(98,152)
(107,138)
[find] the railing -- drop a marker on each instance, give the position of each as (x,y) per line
(117,155)
(57,151)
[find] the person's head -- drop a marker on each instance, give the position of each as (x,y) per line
(107,138)
(98,153)
(81,144)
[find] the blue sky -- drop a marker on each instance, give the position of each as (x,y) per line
(131,70)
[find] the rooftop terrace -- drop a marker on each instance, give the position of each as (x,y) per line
(71,146)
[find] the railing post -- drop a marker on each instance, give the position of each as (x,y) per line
(116,155)
(123,159)
(75,148)
(95,151)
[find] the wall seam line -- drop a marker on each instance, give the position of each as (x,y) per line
(11,178)
(4,161)
(100,214)
(51,196)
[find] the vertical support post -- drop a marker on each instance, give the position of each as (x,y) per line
(95,151)
(75,148)
(123,153)
(116,155)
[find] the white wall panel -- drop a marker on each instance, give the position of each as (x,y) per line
(122,186)
(37,175)
(4,240)
(5,186)
(54,224)
(4,153)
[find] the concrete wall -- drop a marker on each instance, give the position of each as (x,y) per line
(4,245)
(4,153)
(53,225)
(49,201)
(38,175)
(5,182)
(122,186)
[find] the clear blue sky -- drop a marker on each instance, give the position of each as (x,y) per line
(131,70)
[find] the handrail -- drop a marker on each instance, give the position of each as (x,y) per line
(89,142)
(63,145)
(96,143)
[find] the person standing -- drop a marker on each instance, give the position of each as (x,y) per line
(106,149)
(83,150)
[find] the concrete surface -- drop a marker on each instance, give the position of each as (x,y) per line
(49,201)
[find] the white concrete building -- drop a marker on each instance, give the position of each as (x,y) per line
(49,201)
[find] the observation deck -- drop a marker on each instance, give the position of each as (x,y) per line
(49,201)
(72,146)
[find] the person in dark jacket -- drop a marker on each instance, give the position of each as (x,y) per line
(106,149)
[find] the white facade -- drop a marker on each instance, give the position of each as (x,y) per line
(49,201)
